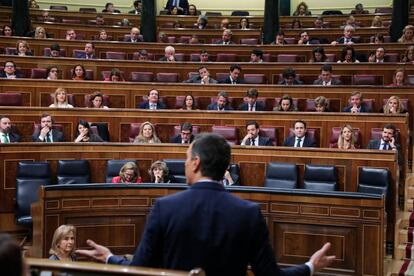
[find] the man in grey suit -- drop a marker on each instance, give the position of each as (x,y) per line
(203,76)
(47,133)
(326,77)
(207,227)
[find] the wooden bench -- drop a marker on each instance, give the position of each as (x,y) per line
(299,222)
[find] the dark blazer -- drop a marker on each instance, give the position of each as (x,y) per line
(18,75)
(213,241)
(245,107)
(197,79)
(83,55)
(221,42)
(307,143)
(13,137)
(183,4)
(145,105)
(177,139)
(333,82)
(134,12)
(57,136)
(263,141)
(27,53)
(342,39)
(364,108)
(213,106)
(228,81)
(375,145)
(295,82)
(140,39)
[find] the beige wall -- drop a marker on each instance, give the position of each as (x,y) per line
(255,7)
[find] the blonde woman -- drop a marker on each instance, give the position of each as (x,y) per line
(63,244)
(40,33)
(60,99)
(147,134)
(129,173)
(23,49)
(377,22)
(347,139)
(393,106)
(408,35)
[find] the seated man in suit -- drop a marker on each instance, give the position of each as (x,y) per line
(378,56)
(186,134)
(89,52)
(253,138)
(109,8)
(182,6)
(289,77)
(222,103)
(204,57)
(70,34)
(279,39)
(6,134)
(135,36)
(356,105)
(387,142)
(226,38)
(201,226)
(326,76)
(203,76)
(234,76)
(251,103)
(306,40)
(256,56)
(300,139)
(10,71)
(137,8)
(347,38)
(169,54)
(153,102)
(47,133)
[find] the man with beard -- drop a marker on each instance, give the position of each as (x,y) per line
(6,136)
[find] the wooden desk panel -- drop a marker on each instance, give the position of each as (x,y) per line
(354,225)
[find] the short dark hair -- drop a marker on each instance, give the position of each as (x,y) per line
(11,260)
(326,67)
(4,116)
(55,47)
(289,72)
(44,115)
(252,93)
(391,126)
(92,44)
(214,153)
(201,67)
(235,66)
(249,123)
(187,126)
(258,52)
(299,121)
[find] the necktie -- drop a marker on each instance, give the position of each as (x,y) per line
(153,106)
(385,146)
(48,140)
(6,139)
(298,140)
(252,142)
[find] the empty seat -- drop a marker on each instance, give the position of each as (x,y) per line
(46,52)
(210,13)
(142,76)
(77,52)
(226,57)
(179,57)
(11,99)
(255,79)
(267,57)
(172,39)
(331,57)
(87,9)
(269,132)
(392,57)
(195,57)
(73,172)
(10,51)
(176,168)
(71,21)
(133,131)
(319,177)
(113,167)
(30,176)
(281,175)
(167,77)
(369,104)
(228,132)
(240,13)
(287,58)
(249,41)
(387,38)
(38,73)
(115,55)
(221,76)
(290,40)
(375,181)
(184,39)
(367,80)
(410,79)
(58,7)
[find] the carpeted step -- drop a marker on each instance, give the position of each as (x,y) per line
(407,268)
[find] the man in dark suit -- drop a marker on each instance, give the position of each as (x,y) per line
(186,134)
(182,5)
(356,105)
(326,77)
(300,139)
(201,227)
(387,141)
(169,54)
(203,76)
(89,52)
(253,137)
(137,8)
(47,133)
(153,102)
(135,36)
(222,103)
(347,39)
(251,103)
(9,71)
(234,76)
(226,38)
(306,40)
(6,134)
(289,77)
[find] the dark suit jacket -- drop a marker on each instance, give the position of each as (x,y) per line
(140,39)
(295,82)
(364,108)
(145,105)
(333,82)
(83,55)
(198,80)
(228,81)
(18,75)
(14,137)
(133,12)
(213,106)
(57,136)
(177,139)
(201,227)
(221,42)
(342,39)
(245,107)
(183,4)
(307,143)
(375,145)
(263,141)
